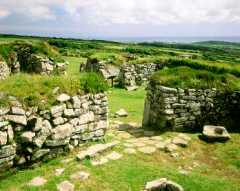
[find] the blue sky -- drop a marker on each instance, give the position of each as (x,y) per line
(120,18)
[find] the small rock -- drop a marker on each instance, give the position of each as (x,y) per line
(114,156)
(17,111)
(147,150)
(59,171)
(163,184)
(130,151)
(80,176)
(121,113)
(161,145)
(132,88)
(63,98)
(99,162)
(149,133)
(65,186)
(37,181)
(171,147)
(180,142)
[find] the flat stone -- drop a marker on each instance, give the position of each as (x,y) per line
(157,138)
(171,147)
(65,186)
(139,144)
(63,98)
(96,149)
(59,171)
(17,111)
(7,151)
(18,119)
(160,145)
(147,150)
(184,136)
(163,184)
(37,181)
(114,156)
(215,133)
(40,153)
(121,113)
(130,151)
(128,145)
(180,142)
(98,162)
(80,176)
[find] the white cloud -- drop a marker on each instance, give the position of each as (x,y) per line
(155,12)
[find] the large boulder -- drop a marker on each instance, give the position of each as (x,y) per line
(163,185)
(215,133)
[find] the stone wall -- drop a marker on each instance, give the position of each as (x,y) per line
(4,70)
(28,135)
(135,74)
(104,68)
(190,109)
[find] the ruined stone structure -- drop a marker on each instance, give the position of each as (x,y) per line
(4,70)
(190,109)
(28,135)
(107,70)
(135,74)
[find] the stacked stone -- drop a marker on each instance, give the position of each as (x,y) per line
(4,70)
(127,76)
(188,109)
(135,74)
(45,66)
(30,135)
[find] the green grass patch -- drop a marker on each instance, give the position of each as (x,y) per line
(37,90)
(186,77)
(132,102)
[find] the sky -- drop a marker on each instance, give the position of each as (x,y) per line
(120,18)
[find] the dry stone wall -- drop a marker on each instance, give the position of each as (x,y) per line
(28,135)
(107,70)
(186,110)
(135,74)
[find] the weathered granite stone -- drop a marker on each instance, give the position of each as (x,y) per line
(65,186)
(40,153)
(215,133)
(27,136)
(63,98)
(121,113)
(62,131)
(164,185)
(17,111)
(37,181)
(22,120)
(3,138)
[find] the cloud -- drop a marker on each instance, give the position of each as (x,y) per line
(157,12)
(120,15)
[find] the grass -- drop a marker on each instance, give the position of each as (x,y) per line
(216,172)
(219,164)
(132,102)
(185,77)
(38,89)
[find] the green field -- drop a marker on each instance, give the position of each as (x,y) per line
(210,167)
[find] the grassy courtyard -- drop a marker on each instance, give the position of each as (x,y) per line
(210,167)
